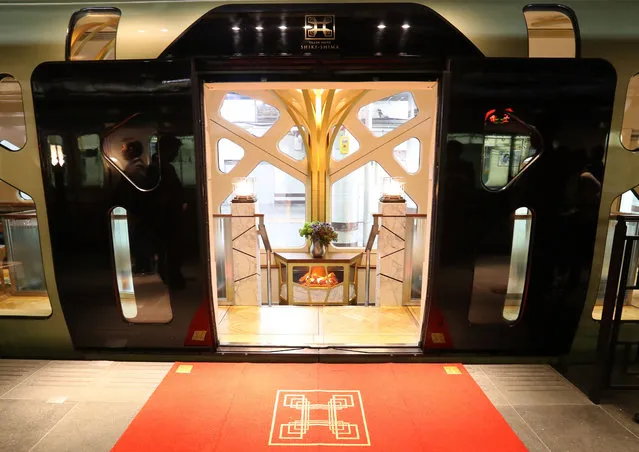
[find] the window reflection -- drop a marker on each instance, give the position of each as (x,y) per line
(508,147)
(504,156)
(282,200)
(184,161)
(91,165)
(130,150)
(13,131)
(355,198)
(23,290)
(144,298)
(501,269)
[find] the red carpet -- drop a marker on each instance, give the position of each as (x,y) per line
(309,407)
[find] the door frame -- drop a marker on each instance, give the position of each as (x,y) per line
(298,70)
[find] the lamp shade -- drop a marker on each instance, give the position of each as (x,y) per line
(244,188)
(392,189)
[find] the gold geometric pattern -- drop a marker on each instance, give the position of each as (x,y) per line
(318,418)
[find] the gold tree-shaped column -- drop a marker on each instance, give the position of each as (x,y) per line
(319,114)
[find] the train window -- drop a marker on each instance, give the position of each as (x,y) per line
(407,155)
(345,144)
(630,124)
(252,115)
(140,257)
(387,114)
(355,198)
(627,204)
(13,130)
(292,144)
(282,200)
(23,290)
(552,32)
(92,34)
(499,281)
(91,166)
(229,154)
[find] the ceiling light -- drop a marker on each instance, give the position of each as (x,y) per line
(235,28)
(164,30)
(283,27)
(381,26)
(140,31)
(259,28)
(405,26)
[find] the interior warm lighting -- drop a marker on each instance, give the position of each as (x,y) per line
(283,27)
(381,26)
(235,28)
(140,31)
(317,277)
(244,188)
(259,28)
(393,188)
(405,26)
(164,30)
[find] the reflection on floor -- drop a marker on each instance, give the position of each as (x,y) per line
(318,325)
(150,303)
(25,305)
(629,313)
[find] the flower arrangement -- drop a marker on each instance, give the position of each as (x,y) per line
(319,232)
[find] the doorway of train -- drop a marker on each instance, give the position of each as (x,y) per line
(319,199)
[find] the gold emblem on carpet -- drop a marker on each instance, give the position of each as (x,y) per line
(319,418)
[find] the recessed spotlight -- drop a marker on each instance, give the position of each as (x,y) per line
(259,28)
(283,27)
(140,31)
(381,26)
(164,30)
(235,28)
(405,26)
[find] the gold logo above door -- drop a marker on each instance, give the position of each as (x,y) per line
(319,27)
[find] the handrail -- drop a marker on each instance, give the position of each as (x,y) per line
(408,215)
(261,229)
(367,250)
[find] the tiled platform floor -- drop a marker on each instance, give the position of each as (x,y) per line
(86,405)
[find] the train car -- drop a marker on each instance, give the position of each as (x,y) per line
(461,159)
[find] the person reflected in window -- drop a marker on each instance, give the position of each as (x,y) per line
(137,207)
(169,205)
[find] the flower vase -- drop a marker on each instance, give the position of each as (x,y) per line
(317,249)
